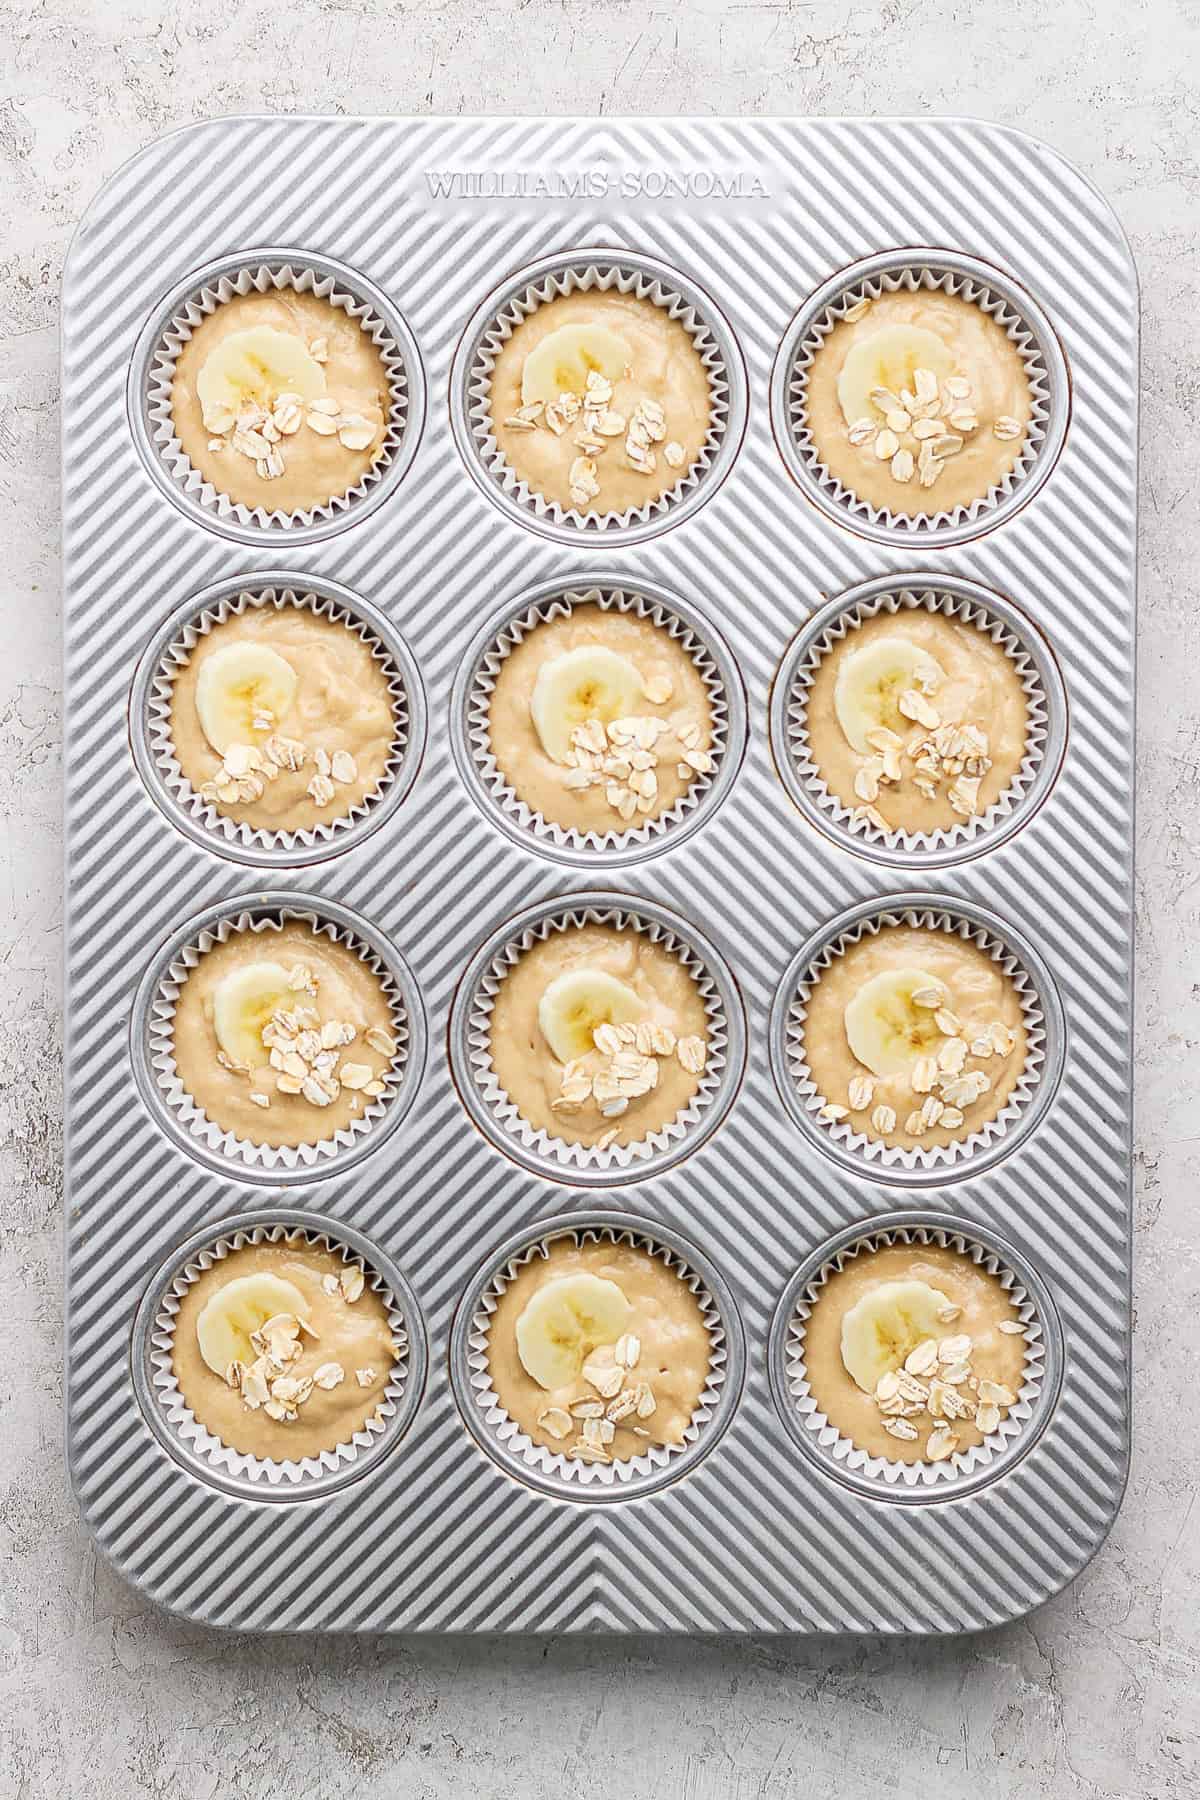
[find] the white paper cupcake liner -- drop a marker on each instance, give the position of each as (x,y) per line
(914,273)
(873,1152)
(309,1472)
(665,1146)
(965,610)
(657,1461)
(195,1123)
(595,272)
(965,1465)
(723,747)
(174,660)
(206,298)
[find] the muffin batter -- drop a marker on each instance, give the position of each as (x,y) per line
(341,990)
(599,797)
(349,1346)
(979,1328)
(342,708)
(348,396)
(662,368)
(664,1324)
(962,1036)
(578,1099)
(935,778)
(979,398)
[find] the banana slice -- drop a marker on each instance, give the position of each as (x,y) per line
(886,1030)
(242,1005)
(226,1321)
(574,1004)
(562,362)
(564,1322)
(237,684)
(889,359)
(870,682)
(587,683)
(252,368)
(885,1327)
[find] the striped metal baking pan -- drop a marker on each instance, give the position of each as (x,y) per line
(435,215)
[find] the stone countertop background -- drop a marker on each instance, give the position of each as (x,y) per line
(1097,1695)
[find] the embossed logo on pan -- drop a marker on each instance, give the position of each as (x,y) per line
(646,183)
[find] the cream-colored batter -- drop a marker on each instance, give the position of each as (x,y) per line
(540,781)
(994,1355)
(985,357)
(675,1345)
(532,1076)
(664,366)
(981,688)
(317,468)
(979,995)
(347,990)
(355,1335)
(342,703)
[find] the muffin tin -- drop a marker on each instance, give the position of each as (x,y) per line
(758,226)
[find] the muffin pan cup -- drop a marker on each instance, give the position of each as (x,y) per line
(967,278)
(599,270)
(496,1113)
(239,1473)
(752,229)
(876,1477)
(1045,1046)
(623,843)
(967,602)
(152,371)
(167,656)
(162,1089)
(550,1471)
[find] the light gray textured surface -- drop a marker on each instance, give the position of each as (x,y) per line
(1097,1695)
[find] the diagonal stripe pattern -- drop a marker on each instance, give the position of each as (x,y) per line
(753,1539)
